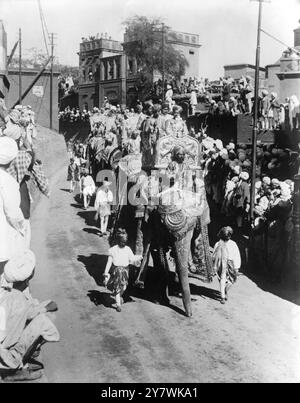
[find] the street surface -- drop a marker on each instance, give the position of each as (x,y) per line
(253,338)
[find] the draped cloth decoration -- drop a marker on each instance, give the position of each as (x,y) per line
(23,165)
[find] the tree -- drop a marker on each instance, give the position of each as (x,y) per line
(143,41)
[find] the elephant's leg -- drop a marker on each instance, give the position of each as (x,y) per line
(145,239)
(164,284)
(140,281)
(139,237)
(182,251)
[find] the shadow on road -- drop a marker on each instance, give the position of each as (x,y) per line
(101,298)
(205,292)
(95,231)
(76,205)
(88,216)
(283,288)
(94,265)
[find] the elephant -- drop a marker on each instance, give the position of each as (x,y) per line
(160,229)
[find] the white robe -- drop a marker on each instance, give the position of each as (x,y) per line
(12,223)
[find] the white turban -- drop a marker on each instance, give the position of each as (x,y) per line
(244,175)
(8,150)
(237,169)
(266,180)
(12,130)
(219,144)
(19,268)
(285,191)
(258,185)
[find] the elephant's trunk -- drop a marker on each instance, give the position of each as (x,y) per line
(182,250)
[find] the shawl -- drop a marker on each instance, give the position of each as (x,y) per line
(21,166)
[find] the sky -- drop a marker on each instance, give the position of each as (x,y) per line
(227,28)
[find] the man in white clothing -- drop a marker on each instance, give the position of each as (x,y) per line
(12,223)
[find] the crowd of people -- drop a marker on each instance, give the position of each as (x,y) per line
(25,323)
(227,171)
(226,167)
(74,115)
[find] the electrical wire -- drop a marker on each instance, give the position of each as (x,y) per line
(44,27)
(282,43)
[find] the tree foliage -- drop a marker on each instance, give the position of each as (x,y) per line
(144,43)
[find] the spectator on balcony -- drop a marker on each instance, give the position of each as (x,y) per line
(248,94)
(273,111)
(265,105)
(169,96)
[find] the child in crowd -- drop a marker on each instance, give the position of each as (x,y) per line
(104,198)
(88,188)
(227,261)
(119,259)
(73,175)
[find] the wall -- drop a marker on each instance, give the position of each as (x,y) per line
(273,82)
(88,94)
(40,102)
(112,90)
(236,71)
(193,59)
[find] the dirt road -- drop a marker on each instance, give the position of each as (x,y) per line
(253,338)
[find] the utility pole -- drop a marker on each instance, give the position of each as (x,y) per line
(163,61)
(255,118)
(51,80)
(20,64)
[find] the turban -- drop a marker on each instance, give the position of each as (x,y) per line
(275,182)
(237,169)
(258,185)
(244,175)
(219,144)
(177,108)
(285,191)
(8,150)
(14,116)
(230,146)
(12,130)
(246,164)
(265,92)
(266,180)
(19,268)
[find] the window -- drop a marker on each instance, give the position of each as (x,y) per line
(191,52)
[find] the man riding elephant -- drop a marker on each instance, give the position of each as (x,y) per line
(171,213)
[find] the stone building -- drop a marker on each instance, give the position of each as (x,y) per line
(281,77)
(106,70)
(236,71)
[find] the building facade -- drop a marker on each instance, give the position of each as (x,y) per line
(281,77)
(236,71)
(106,70)
(189,46)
